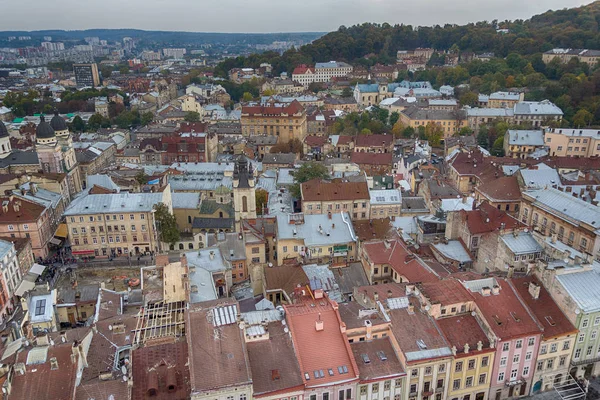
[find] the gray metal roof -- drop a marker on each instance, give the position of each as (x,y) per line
(544,107)
(341,232)
(524,243)
(114,203)
(526,137)
(540,178)
(385,197)
(565,205)
(186,200)
(583,289)
(453,250)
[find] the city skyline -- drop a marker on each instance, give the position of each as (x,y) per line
(265,16)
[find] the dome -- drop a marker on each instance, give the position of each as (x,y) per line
(58,123)
(3,130)
(44,130)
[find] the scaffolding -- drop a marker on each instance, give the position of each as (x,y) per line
(159,321)
(570,390)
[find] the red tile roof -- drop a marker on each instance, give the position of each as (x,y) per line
(319,190)
(315,140)
(445,292)
(395,254)
(488,218)
(462,329)
(545,309)
(345,139)
(320,350)
(163,368)
(223,345)
(377,368)
(28,211)
(40,381)
(303,69)
(371,158)
(504,188)
(505,314)
(373,140)
(271,110)
(188,127)
(274,364)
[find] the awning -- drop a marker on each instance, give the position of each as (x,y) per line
(55,241)
(61,232)
(80,252)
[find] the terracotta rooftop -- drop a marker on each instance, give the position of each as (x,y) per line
(223,346)
(19,210)
(162,370)
(462,329)
(504,188)
(273,362)
(324,355)
(395,254)
(285,277)
(380,228)
(350,314)
(373,140)
(188,127)
(445,292)
(371,158)
(488,218)
(377,359)
(303,69)
(319,190)
(315,140)
(43,381)
(545,309)
(271,110)
(505,314)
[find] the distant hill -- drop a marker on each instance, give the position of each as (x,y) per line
(161,38)
(575,28)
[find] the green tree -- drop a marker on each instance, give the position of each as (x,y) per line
(166,224)
(78,125)
(498,147)
(261,200)
(192,116)
(394,118)
(308,171)
(247,96)
(582,118)
(347,92)
(469,99)
(95,122)
(483,138)
(141,178)
(365,131)
(434,134)
(146,118)
(124,70)
(465,131)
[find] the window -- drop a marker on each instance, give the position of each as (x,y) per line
(596,321)
(40,307)
(550,363)
(566,345)
(562,360)
(285,249)
(519,343)
(121,217)
(398,383)
(505,346)
(471,364)
(581,337)
(458,367)
(469,381)
(363,390)
(313,397)
(577,354)
(501,377)
(440,384)
(516,358)
(589,351)
(375,388)
(544,349)
(540,366)
(442,368)
(428,370)
(74,230)
(142,216)
(387,385)
(594,334)
(485,361)
(531,341)
(503,362)
(131,216)
(528,356)
(526,370)
(482,379)
(414,373)
(456,384)
(326,396)
(413,388)
(513,374)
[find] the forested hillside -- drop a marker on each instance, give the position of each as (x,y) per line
(576,28)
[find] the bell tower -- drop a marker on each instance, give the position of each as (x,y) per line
(244,192)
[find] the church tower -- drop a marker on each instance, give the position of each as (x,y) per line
(5,148)
(54,146)
(244,199)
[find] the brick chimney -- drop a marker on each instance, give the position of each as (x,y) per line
(319,324)
(534,290)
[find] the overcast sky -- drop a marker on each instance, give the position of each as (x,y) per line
(260,15)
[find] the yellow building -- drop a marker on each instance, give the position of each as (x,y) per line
(286,122)
(563,142)
(504,99)
(589,57)
(522,143)
(316,238)
(450,121)
(117,224)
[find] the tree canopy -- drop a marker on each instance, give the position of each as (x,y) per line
(166,225)
(306,172)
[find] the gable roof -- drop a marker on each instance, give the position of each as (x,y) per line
(319,190)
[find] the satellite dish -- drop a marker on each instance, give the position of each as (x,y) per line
(124,378)
(286,330)
(124,370)
(577,311)
(473,313)
(51,342)
(110,327)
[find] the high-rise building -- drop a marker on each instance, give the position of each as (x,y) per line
(86,75)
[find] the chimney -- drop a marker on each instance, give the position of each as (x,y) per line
(318,293)
(152,388)
(486,291)
(534,290)
(376,296)
(319,324)
(511,271)
(411,308)
(16,206)
(496,290)
(212,255)
(369,326)
(171,379)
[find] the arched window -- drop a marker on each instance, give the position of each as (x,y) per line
(180,246)
(189,219)
(220,214)
(244,204)
(191,246)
